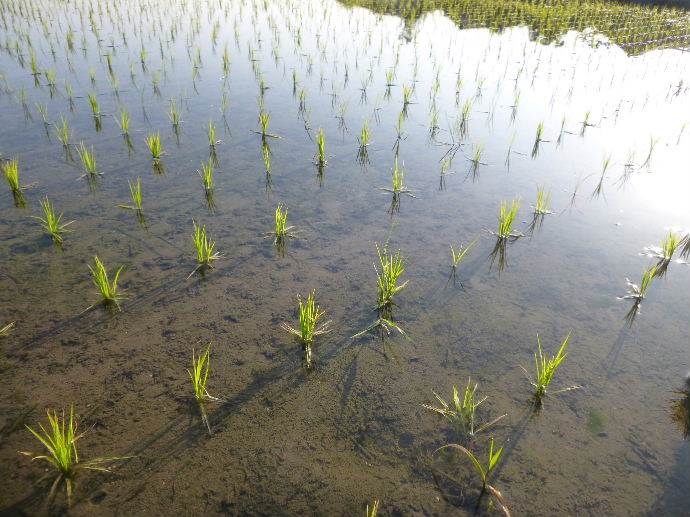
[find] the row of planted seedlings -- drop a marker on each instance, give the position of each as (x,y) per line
(60,436)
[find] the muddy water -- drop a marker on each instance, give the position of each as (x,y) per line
(287,440)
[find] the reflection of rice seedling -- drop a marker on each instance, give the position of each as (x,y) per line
(545,368)
(392,268)
(506,218)
(484,471)
(320,147)
(461,413)
(153,141)
(309,316)
(680,409)
(51,221)
(110,292)
(199,376)
(543,203)
(60,442)
(205,249)
(373,512)
(63,131)
(206,174)
(88,160)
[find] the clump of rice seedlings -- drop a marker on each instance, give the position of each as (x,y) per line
(51,222)
(364,138)
(465,117)
(174,113)
(5,331)
(205,249)
(95,106)
(506,218)
(212,141)
(543,204)
(537,139)
(43,111)
(545,369)
(407,94)
(11,171)
(483,471)
(664,253)
(476,159)
(206,175)
(462,412)
(153,141)
(110,291)
(309,315)
(638,292)
(88,160)
(199,376)
(124,121)
(392,267)
(373,512)
(320,148)
(264,119)
(281,229)
(60,441)
(63,132)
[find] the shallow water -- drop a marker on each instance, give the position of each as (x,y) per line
(288,440)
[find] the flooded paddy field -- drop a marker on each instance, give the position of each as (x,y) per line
(353,207)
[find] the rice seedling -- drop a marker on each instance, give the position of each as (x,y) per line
(483,471)
(458,256)
(95,107)
(205,249)
(211,133)
(88,160)
(51,222)
(636,292)
(109,291)
(309,315)
(462,413)
(392,268)
(123,121)
(545,368)
(63,132)
(264,119)
(685,253)
(60,441)
(5,331)
(652,144)
(373,512)
(407,94)
(199,375)
(135,193)
(664,253)
(543,204)
(206,175)
(364,134)
(537,139)
(43,111)
(174,113)
(476,159)
(320,148)
(506,218)
(11,171)
(153,141)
